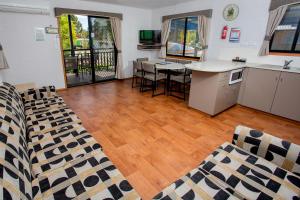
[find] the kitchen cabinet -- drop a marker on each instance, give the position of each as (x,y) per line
(287,99)
(259,88)
(211,92)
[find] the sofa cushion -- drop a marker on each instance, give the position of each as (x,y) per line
(280,152)
(53,151)
(42,127)
(197,184)
(92,176)
(44,105)
(250,177)
(46,121)
(39,93)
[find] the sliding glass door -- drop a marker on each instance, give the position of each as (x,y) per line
(88,49)
(103,48)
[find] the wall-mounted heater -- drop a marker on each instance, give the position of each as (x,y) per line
(18,8)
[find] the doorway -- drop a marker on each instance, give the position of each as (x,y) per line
(89,51)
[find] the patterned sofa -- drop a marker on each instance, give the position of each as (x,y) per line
(46,153)
(255,166)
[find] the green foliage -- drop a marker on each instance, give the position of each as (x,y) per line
(64,32)
(101,29)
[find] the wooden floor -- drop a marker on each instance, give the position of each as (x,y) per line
(154,141)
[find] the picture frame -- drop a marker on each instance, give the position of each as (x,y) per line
(235,35)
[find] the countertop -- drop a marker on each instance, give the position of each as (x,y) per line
(219,66)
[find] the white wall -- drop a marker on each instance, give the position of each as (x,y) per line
(252,21)
(40,62)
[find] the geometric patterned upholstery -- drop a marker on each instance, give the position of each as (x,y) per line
(197,184)
(280,152)
(237,172)
(91,176)
(15,172)
(46,153)
(37,94)
(42,123)
(43,105)
(52,152)
(250,177)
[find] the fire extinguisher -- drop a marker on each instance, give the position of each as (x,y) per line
(224,32)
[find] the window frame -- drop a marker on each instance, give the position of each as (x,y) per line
(293,49)
(184,42)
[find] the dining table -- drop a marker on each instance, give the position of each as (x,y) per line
(167,67)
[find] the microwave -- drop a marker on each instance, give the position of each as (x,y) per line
(236,76)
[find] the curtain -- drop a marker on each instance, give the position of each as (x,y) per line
(203,35)
(166,26)
(275,18)
(116,31)
(3,62)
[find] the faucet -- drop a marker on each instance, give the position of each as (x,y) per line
(287,63)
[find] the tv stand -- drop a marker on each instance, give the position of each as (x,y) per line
(149,46)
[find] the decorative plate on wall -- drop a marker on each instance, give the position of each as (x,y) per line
(231,12)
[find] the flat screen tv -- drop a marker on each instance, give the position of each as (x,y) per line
(150,37)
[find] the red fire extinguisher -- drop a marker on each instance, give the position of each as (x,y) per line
(224,32)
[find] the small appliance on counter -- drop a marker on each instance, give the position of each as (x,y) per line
(238,59)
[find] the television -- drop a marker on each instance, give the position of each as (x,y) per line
(150,37)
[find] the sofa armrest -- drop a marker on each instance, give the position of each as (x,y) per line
(38,93)
(276,150)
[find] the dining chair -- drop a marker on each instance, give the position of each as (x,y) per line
(137,73)
(152,74)
(140,60)
(182,80)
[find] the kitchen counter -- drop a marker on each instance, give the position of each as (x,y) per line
(219,66)
(275,68)
(216,86)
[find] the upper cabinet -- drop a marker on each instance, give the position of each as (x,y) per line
(259,88)
(287,98)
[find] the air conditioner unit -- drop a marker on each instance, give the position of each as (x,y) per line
(18,8)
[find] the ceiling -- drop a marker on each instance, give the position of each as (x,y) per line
(147,4)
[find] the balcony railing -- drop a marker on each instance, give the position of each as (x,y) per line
(81,61)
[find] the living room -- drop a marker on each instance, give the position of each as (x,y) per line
(124,99)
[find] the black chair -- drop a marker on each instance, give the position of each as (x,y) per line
(150,73)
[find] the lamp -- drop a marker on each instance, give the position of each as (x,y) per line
(3,62)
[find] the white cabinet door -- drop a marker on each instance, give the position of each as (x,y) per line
(287,99)
(260,88)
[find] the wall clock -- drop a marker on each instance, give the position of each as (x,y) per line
(231,12)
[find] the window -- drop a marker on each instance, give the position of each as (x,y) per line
(286,37)
(183,39)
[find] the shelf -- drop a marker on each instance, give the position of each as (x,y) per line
(149,47)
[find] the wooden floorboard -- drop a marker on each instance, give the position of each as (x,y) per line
(154,141)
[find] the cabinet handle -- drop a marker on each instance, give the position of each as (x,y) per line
(276,78)
(281,79)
